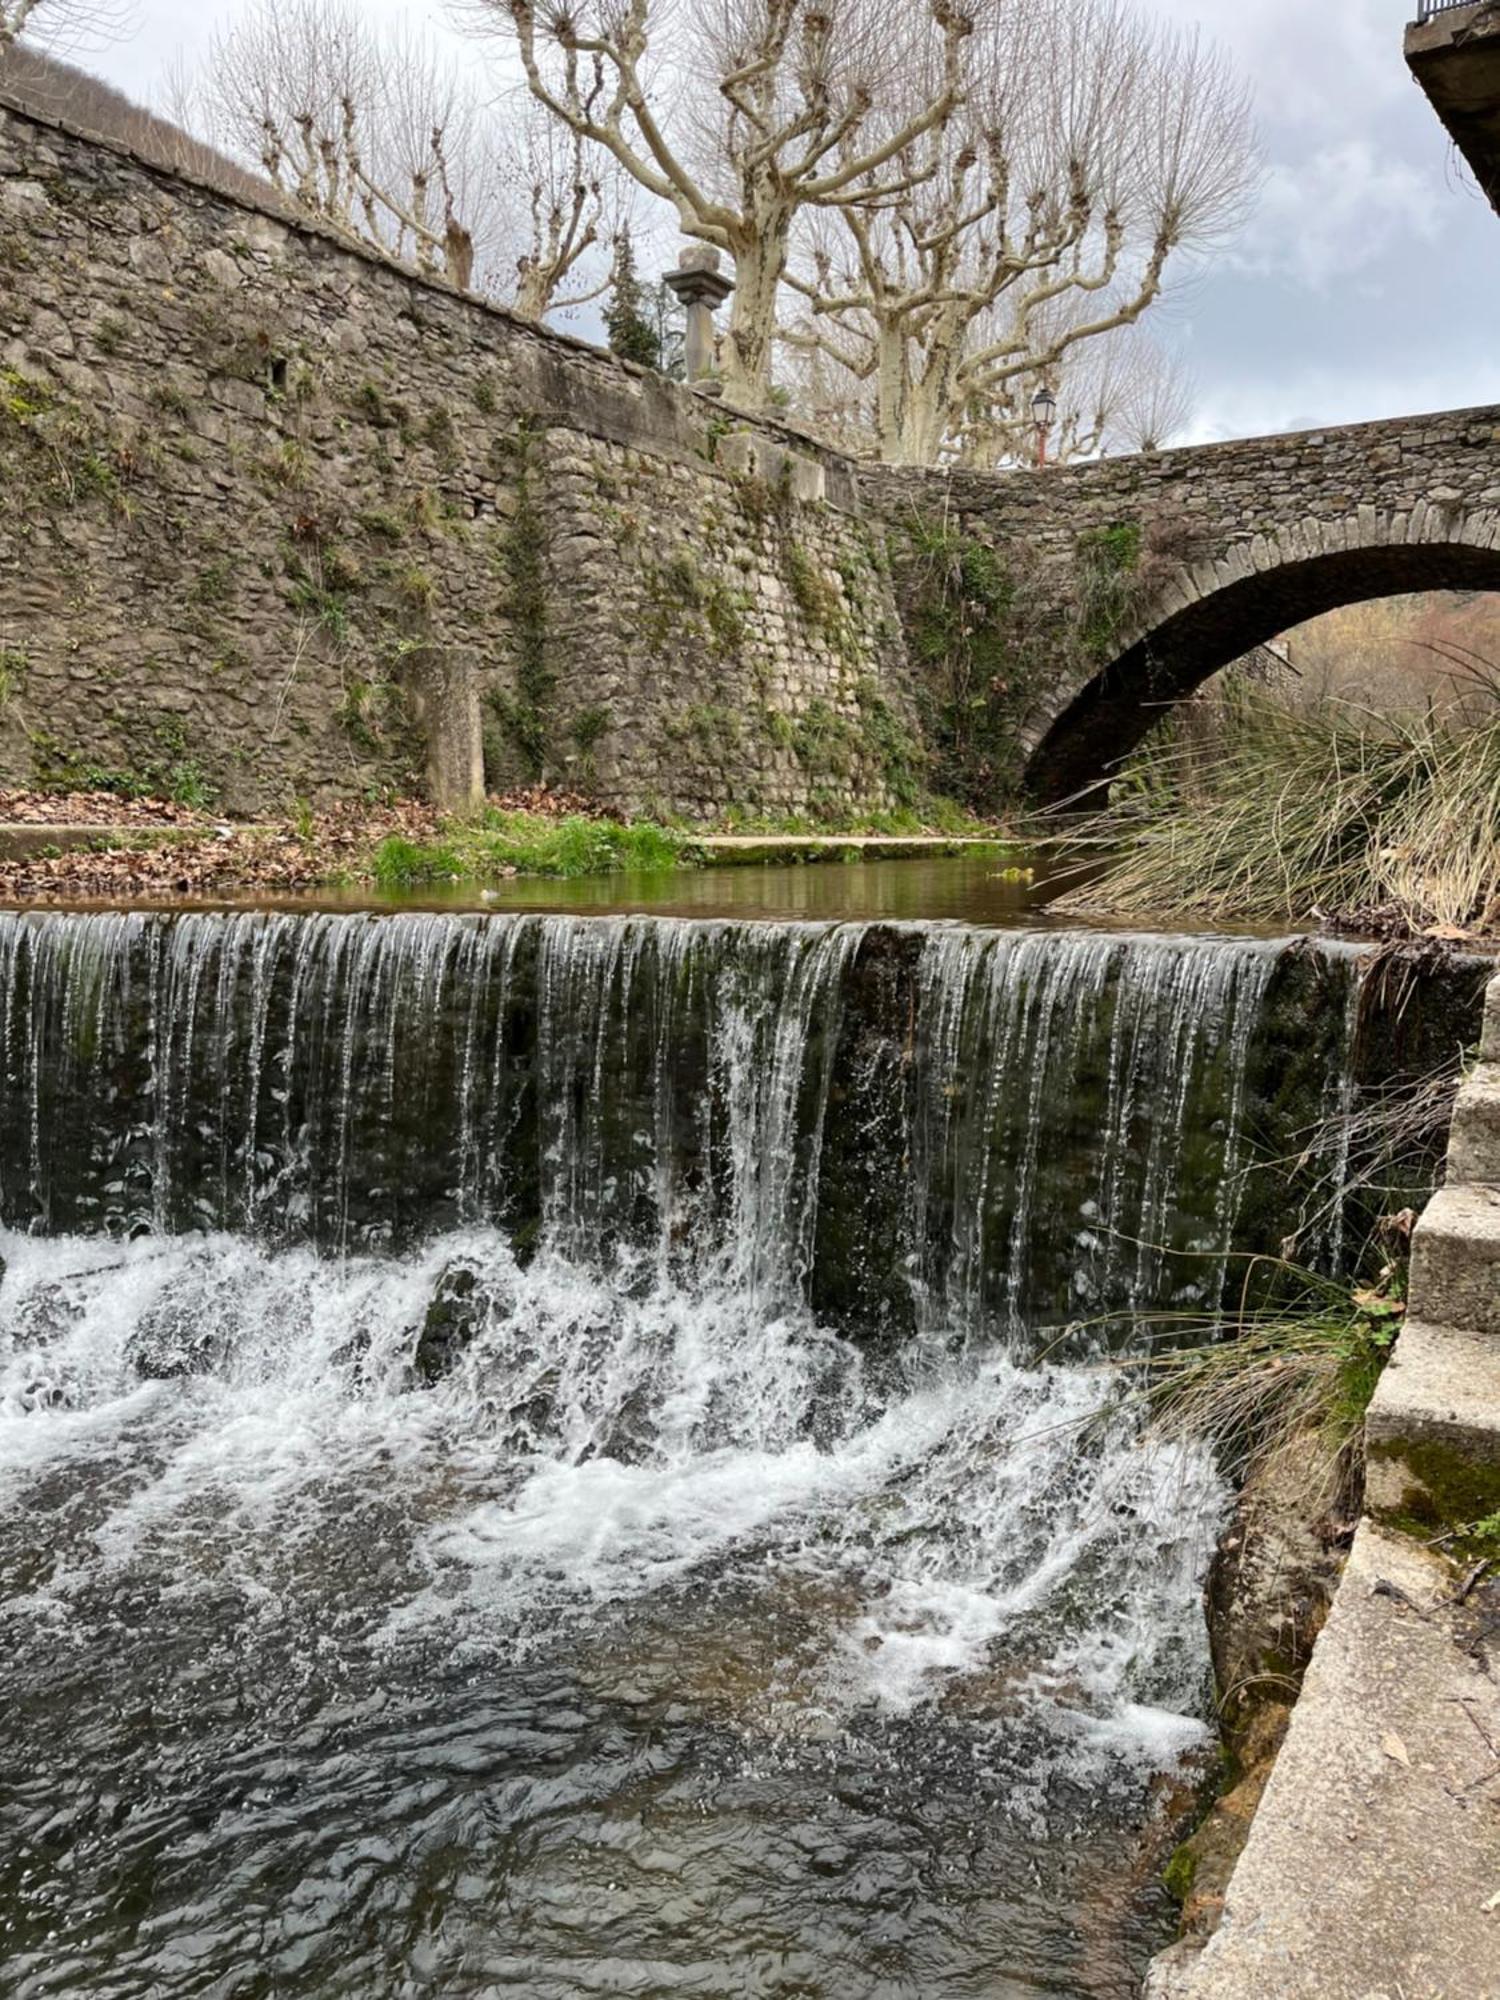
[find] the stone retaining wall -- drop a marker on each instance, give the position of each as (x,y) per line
(282,521)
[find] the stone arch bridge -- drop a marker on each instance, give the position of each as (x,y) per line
(1225,546)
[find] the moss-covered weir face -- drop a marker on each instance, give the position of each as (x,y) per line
(524,1464)
(898,1125)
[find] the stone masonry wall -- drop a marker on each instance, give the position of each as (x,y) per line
(282,522)
(1129,581)
(279,522)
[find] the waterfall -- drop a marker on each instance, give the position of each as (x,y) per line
(553,1438)
(1067,1117)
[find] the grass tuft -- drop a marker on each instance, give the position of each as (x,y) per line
(1306,813)
(520,843)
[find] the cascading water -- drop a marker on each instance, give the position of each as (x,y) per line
(524,1464)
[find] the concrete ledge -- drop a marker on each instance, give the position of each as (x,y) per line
(1455,57)
(1474,1146)
(1373,1864)
(1455,1261)
(1433,1432)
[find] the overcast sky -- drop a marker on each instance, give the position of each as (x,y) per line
(1368,282)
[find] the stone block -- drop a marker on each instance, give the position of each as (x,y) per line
(1455,1266)
(1432,1431)
(1474,1145)
(1489,1046)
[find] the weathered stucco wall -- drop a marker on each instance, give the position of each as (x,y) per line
(281,522)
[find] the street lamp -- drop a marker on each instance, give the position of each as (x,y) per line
(1044,415)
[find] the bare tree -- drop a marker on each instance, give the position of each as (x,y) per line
(1088,152)
(61,23)
(378,138)
(387,138)
(568,205)
(1116,392)
(741,114)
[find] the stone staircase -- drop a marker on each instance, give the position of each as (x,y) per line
(1372,1870)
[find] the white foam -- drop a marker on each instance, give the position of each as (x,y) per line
(603,1442)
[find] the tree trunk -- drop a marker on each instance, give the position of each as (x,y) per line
(759,265)
(893,391)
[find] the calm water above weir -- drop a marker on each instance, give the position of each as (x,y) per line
(560,1457)
(982,886)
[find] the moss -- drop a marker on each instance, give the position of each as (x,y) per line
(820,604)
(680,594)
(441,433)
(1109,562)
(416,588)
(1454,1494)
(524,715)
(977,651)
(13,665)
(214,584)
(1180,1873)
(589,728)
(381,525)
(372,712)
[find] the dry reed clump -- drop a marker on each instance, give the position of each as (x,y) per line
(1330,814)
(1284,1388)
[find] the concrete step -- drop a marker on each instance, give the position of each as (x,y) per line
(1433,1432)
(1455,1260)
(1474,1147)
(1374,1861)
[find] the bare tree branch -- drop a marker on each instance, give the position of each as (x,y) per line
(743,114)
(1089,152)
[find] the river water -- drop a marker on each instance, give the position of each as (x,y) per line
(568,1456)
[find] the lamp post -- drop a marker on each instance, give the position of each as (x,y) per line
(702,287)
(1044,416)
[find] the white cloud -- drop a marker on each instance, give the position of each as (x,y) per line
(1342,210)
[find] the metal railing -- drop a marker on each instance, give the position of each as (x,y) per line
(1427,10)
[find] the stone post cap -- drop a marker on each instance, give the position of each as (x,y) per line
(699,279)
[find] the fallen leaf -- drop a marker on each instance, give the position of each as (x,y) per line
(1395,1749)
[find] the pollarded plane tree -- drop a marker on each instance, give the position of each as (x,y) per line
(743,114)
(383,136)
(59,24)
(374,136)
(1089,152)
(1120,391)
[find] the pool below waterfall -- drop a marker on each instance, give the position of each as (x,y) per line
(568,1455)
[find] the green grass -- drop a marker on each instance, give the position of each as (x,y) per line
(932,815)
(530,844)
(501,843)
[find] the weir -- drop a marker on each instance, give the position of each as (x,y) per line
(551,1449)
(1046,1119)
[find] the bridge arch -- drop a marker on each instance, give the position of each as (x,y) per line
(1219,609)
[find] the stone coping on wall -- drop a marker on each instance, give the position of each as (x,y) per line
(675,417)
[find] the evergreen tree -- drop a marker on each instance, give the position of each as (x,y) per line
(631,334)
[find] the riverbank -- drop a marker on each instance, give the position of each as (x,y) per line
(89,846)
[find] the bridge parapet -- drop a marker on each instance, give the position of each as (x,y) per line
(1453,51)
(1209,552)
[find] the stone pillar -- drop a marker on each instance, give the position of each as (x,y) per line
(703,288)
(449,711)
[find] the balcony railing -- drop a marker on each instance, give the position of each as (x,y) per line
(1428,10)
